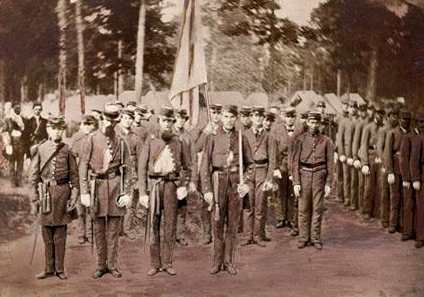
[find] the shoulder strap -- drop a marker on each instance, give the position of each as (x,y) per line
(59,147)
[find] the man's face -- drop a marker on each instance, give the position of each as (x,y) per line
(55,133)
(321,109)
(37,110)
(245,120)
(405,123)
(290,120)
(87,128)
(313,125)
(228,120)
(370,112)
(420,125)
(352,110)
(17,110)
(108,125)
(393,120)
(378,118)
(126,121)
(138,117)
(345,107)
(257,119)
(165,123)
(180,121)
(215,116)
(267,124)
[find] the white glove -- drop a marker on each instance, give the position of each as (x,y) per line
(357,164)
(336,157)
(9,150)
(181,193)
(242,189)
(86,200)
(124,200)
(350,161)
(277,173)
(267,186)
(378,160)
(327,191)
(406,184)
(391,178)
(296,190)
(290,177)
(366,170)
(383,170)
(416,185)
(342,158)
(208,197)
(144,201)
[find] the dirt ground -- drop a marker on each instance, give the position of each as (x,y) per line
(359,259)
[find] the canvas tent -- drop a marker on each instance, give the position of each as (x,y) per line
(332,100)
(257,99)
(353,97)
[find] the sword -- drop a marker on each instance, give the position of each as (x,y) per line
(37,226)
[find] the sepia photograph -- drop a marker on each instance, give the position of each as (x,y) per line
(222,148)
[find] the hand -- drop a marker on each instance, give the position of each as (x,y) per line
(391,178)
(208,197)
(350,161)
(208,129)
(296,190)
(267,186)
(243,189)
(144,201)
(416,185)
(357,164)
(366,170)
(290,177)
(383,170)
(342,158)
(70,206)
(277,173)
(124,200)
(86,200)
(327,191)
(192,187)
(377,160)
(336,157)
(406,184)
(181,193)
(9,150)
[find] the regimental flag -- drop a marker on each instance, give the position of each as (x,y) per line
(189,76)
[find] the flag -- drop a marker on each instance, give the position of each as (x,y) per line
(189,76)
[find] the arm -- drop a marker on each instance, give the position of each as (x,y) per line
(348,141)
(247,162)
(364,147)
(34,176)
(388,152)
(297,148)
(340,138)
(416,156)
(330,162)
(405,155)
(272,157)
(143,162)
(186,163)
(205,169)
(84,166)
(74,177)
(357,141)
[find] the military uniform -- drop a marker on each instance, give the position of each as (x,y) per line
(55,189)
(220,176)
(105,164)
(343,142)
(164,166)
(337,189)
(312,169)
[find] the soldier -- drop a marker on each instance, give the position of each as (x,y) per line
(416,165)
(312,178)
(222,187)
(15,140)
(88,125)
(164,174)
(97,114)
(245,120)
(264,152)
(55,190)
(107,190)
(371,164)
(212,128)
(409,202)
(391,160)
(321,107)
(37,126)
(269,121)
(181,118)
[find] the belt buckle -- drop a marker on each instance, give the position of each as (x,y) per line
(53,183)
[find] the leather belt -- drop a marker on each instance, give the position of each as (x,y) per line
(226,169)
(261,162)
(56,182)
(169,176)
(107,175)
(312,166)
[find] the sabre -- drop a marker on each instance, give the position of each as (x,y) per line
(37,226)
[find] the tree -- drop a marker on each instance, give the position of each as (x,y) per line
(139,61)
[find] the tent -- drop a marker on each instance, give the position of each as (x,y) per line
(332,100)
(257,99)
(353,97)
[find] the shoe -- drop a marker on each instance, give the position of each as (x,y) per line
(301,244)
(153,271)
(89,240)
(44,275)
(115,273)
(81,239)
(346,203)
(230,269)
(215,269)
(259,242)
(246,242)
(391,229)
(279,225)
(318,245)
(182,241)
(405,237)
(294,233)
(265,238)
(367,216)
(170,271)
(61,275)
(98,273)
(419,244)
(206,240)
(352,208)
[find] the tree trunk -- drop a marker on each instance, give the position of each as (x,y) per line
(2,87)
(139,60)
(61,14)
(80,46)
(120,74)
(339,83)
(372,74)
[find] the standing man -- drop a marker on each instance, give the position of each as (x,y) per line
(37,126)
(392,164)
(312,177)
(264,156)
(88,125)
(222,187)
(55,190)
(105,171)
(181,118)
(164,172)
(416,165)
(245,120)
